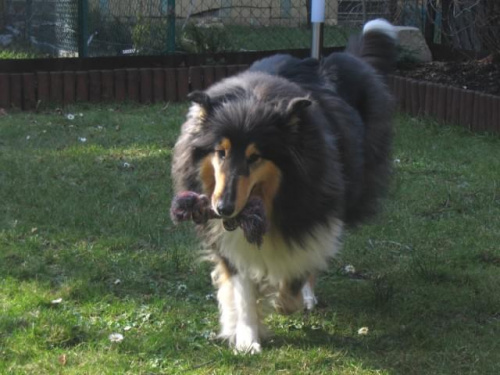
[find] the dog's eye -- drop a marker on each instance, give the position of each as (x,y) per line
(253,158)
(221,154)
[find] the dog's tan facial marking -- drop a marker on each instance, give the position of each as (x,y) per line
(266,180)
(224,145)
(207,175)
(251,151)
(242,193)
(262,178)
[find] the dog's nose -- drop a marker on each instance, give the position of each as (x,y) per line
(225,208)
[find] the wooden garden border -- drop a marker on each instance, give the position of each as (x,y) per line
(471,109)
(29,91)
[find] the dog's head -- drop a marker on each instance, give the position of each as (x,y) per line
(242,145)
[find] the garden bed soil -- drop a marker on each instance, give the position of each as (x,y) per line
(474,75)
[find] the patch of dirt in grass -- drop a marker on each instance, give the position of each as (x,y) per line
(489,257)
(471,75)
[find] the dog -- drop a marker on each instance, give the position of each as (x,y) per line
(312,140)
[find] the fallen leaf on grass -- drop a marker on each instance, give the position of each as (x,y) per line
(62,359)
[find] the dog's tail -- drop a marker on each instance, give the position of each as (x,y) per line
(376,45)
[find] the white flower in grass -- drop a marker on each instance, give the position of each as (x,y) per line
(82,139)
(80,114)
(126,165)
(70,116)
(181,288)
(56,301)
(349,269)
(363,331)
(28,137)
(127,328)
(116,337)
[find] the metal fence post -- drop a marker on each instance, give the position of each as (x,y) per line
(83,29)
(317,19)
(171,26)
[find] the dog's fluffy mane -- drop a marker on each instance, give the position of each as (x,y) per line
(332,154)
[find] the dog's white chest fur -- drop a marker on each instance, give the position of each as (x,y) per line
(277,260)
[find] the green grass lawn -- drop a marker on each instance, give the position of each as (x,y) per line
(282,37)
(87,250)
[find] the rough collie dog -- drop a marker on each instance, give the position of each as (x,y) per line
(311,139)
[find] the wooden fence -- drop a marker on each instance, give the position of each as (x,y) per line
(29,91)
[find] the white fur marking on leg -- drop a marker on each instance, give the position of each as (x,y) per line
(247,328)
(228,314)
(308,295)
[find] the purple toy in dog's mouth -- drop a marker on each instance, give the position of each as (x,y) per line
(189,205)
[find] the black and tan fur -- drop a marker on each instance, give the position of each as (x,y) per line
(312,140)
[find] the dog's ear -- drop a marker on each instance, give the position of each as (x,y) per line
(201,98)
(294,110)
(297,105)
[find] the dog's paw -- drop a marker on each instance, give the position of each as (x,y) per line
(247,340)
(189,205)
(252,348)
(310,302)
(227,336)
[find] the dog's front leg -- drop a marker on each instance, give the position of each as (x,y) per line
(247,328)
(308,296)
